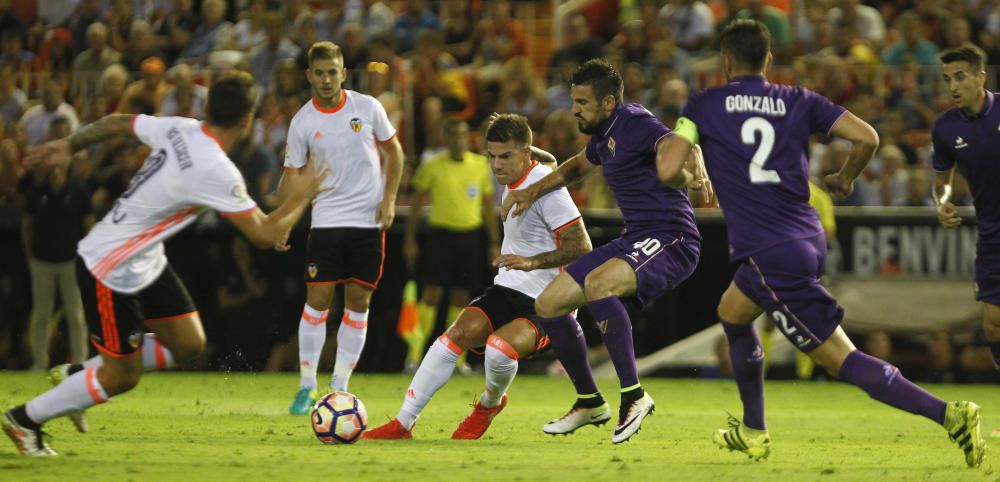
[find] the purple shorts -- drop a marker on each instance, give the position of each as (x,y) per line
(784,281)
(661,261)
(988,273)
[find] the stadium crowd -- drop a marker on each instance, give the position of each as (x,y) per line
(64,63)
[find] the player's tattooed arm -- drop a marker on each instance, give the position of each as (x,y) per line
(568,173)
(573,243)
(109,126)
(544,157)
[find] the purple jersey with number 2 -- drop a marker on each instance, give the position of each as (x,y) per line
(755,136)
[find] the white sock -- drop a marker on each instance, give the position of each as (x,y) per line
(77,392)
(312,335)
(350,343)
(435,370)
(155,356)
(501,367)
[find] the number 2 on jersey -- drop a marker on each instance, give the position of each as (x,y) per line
(753,125)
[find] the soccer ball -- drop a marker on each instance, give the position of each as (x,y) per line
(339,418)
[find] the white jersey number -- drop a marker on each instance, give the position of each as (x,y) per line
(753,125)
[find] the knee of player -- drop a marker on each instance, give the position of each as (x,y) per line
(597,287)
(469,333)
(189,349)
(991,328)
(118,379)
(546,307)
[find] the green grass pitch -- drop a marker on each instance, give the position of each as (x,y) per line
(215,426)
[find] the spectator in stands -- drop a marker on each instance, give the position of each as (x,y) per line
(522,92)
(330,21)
(911,43)
(308,34)
(119,20)
(458,22)
(81,18)
(633,42)
(670,99)
(295,14)
(634,83)
(12,53)
(866,22)
(58,213)
(561,137)
(500,36)
(185,98)
(264,58)
(243,310)
(288,82)
(893,176)
(12,99)
(377,19)
(258,167)
(355,53)
(578,46)
(151,84)
(141,46)
(90,64)
(175,31)
(55,57)
(113,83)
(777,23)
(438,82)
(37,120)
(956,33)
(249,32)
(270,129)
(214,33)
(418,16)
(691,22)
(918,192)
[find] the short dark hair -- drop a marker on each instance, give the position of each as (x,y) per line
(509,127)
(324,50)
(747,41)
(230,99)
(973,55)
(601,77)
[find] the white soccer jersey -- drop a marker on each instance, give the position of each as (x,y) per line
(345,138)
(534,232)
(186,172)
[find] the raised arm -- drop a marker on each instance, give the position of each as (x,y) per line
(267,230)
(570,172)
(573,243)
(865,141)
(59,152)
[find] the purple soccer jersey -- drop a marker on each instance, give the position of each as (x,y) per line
(754,136)
(625,148)
(972,144)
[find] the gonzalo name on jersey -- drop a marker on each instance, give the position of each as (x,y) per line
(755,103)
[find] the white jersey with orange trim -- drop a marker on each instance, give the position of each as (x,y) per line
(346,139)
(534,232)
(187,171)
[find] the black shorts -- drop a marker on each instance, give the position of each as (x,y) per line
(501,305)
(453,258)
(341,255)
(117,321)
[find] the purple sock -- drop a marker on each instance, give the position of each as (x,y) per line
(570,345)
(747,356)
(885,383)
(616,329)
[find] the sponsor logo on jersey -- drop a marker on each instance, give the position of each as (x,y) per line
(356,124)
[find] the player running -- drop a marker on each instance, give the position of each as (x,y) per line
(535,245)
(968,137)
(128,287)
(658,249)
(755,135)
(351,133)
